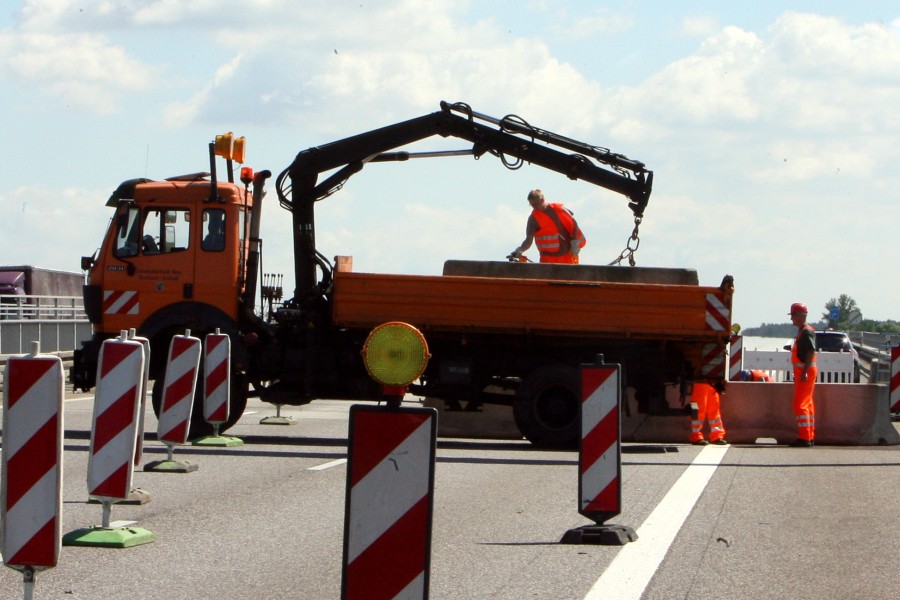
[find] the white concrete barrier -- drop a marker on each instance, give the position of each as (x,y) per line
(850,414)
(834,367)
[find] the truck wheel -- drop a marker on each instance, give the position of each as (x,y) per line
(199,427)
(548,405)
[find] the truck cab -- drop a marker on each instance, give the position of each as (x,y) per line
(174,258)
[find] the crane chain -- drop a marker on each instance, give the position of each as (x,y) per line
(631,245)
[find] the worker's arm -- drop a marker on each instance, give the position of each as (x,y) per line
(807,352)
(531,228)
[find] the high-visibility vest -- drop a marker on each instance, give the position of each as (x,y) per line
(795,357)
(557,230)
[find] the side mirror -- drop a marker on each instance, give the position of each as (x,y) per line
(787,347)
(87,262)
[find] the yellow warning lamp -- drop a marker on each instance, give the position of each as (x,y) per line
(238,149)
(224,146)
(246,175)
(395,355)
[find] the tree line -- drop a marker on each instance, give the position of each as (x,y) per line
(841,314)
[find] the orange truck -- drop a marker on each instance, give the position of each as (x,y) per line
(184,253)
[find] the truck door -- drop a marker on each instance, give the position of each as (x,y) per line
(155,267)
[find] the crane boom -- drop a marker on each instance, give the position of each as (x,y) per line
(510,136)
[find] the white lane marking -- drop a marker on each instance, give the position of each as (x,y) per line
(328,465)
(634,566)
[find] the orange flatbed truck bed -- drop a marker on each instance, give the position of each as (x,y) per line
(517,300)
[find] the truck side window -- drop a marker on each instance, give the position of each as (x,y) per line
(166,230)
(128,233)
(214,230)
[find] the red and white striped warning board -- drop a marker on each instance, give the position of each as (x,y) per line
(117,403)
(712,360)
(735,356)
(895,378)
(387,519)
(718,313)
(117,302)
(31,498)
(599,463)
(217,377)
(179,388)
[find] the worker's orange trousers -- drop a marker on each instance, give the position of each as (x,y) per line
(804,409)
(707,402)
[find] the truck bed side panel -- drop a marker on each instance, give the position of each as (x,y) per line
(569,308)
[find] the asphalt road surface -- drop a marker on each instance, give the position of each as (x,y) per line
(265,520)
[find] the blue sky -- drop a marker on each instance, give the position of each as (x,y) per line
(771,127)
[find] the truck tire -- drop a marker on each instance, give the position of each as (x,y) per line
(547,406)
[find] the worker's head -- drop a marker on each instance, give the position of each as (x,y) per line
(536,198)
(745,375)
(798,313)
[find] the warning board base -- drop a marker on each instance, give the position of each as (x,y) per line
(103,537)
(218,441)
(137,496)
(602,535)
(171,466)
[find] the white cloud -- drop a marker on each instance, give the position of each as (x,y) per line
(77,69)
(599,22)
(54,227)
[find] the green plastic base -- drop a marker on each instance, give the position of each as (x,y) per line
(171,466)
(105,537)
(278,421)
(218,441)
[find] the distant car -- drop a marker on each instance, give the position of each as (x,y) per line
(838,341)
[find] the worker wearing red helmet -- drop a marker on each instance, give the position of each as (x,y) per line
(553,228)
(705,406)
(803,360)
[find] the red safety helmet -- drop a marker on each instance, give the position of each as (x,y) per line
(798,308)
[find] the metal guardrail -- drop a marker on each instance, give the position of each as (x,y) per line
(57,323)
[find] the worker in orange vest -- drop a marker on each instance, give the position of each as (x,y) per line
(705,406)
(803,360)
(552,227)
(753,375)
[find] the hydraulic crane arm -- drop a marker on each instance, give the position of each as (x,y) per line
(510,136)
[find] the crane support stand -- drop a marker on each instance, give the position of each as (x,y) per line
(120,384)
(388,509)
(217,389)
(278,419)
(600,458)
(31,474)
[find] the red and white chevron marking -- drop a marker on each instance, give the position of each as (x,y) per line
(718,313)
(116,406)
(217,377)
(600,493)
(179,388)
(390,483)
(121,302)
(895,378)
(712,361)
(31,498)
(735,356)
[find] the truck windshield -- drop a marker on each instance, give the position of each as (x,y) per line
(128,233)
